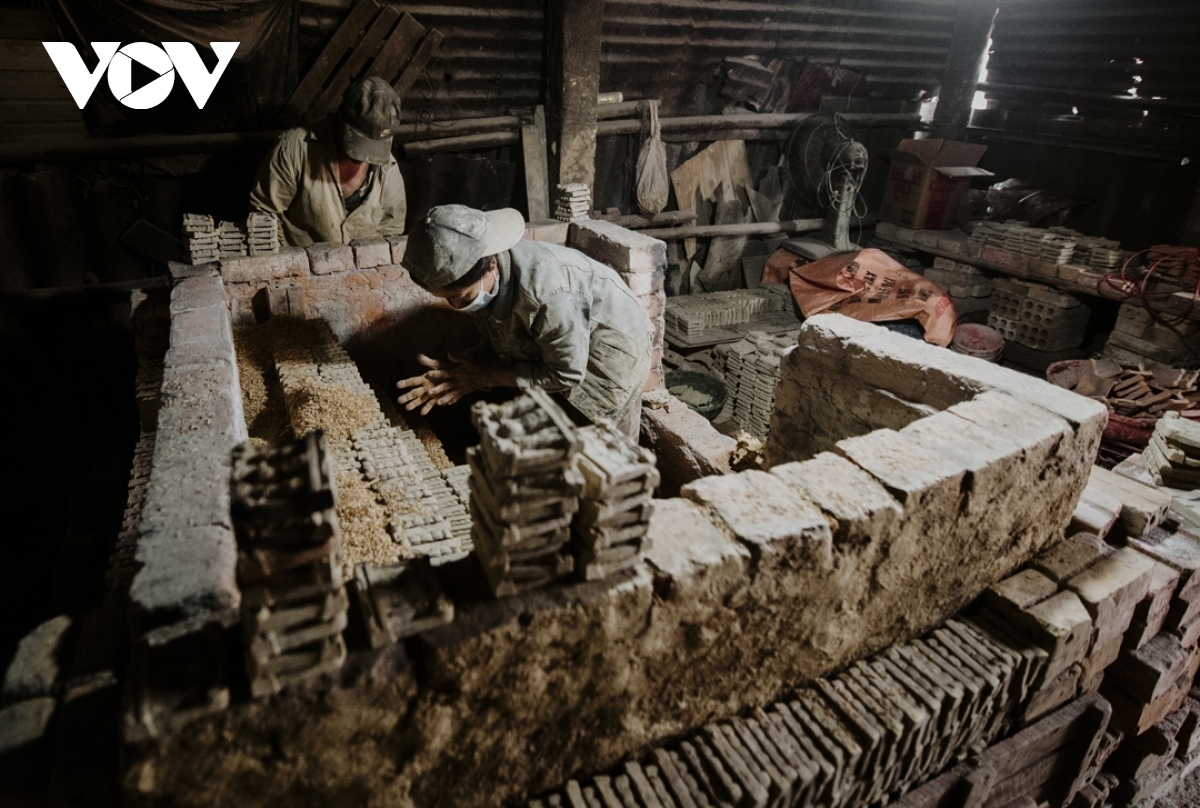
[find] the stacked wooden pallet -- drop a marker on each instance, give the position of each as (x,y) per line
(374,40)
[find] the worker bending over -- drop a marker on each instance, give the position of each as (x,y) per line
(550,317)
(337,181)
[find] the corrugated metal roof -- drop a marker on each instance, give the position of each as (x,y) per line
(491,60)
(1131,60)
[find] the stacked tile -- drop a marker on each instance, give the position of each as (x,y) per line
(1173,454)
(1099,253)
(231,240)
(618,479)
(289,563)
(262,231)
(752,368)
(968,288)
(147,385)
(1137,338)
(459,480)
(862,737)
(122,565)
(574,202)
(523,492)
(689,316)
(200,238)
(400,600)
(1037,316)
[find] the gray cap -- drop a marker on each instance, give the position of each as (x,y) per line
(451,239)
(369,114)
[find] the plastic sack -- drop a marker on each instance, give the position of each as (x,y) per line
(868,286)
(653,183)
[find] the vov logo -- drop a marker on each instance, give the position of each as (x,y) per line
(164,62)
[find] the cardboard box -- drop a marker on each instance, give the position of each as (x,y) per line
(927,182)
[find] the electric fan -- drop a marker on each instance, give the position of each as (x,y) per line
(826,166)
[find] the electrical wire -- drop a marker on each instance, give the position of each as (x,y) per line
(1125,288)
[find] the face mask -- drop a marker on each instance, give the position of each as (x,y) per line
(481,300)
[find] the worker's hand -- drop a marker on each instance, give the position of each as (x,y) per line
(444,383)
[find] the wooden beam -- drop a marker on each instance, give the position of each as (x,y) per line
(537,171)
(727,230)
(397,50)
(573,83)
(331,97)
(972,32)
(418,63)
(345,38)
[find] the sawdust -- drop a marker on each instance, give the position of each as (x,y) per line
(262,398)
(315,404)
(363,521)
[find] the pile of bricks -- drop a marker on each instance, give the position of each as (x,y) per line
(262,233)
(523,491)
(289,563)
(231,240)
(1137,338)
(1037,316)
(863,737)
(425,517)
(573,203)
(968,288)
(618,479)
(200,238)
(1173,454)
(1056,244)
(752,368)
(689,316)
(1099,253)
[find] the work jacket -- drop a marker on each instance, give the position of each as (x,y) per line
(564,322)
(298,182)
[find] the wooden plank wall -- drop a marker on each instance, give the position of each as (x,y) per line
(34,102)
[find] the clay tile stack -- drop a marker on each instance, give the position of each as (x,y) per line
(289,563)
(200,238)
(262,230)
(1173,454)
(619,479)
(231,240)
(523,491)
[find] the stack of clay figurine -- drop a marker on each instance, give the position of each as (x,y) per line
(619,479)
(289,562)
(200,238)
(523,491)
(262,231)
(574,202)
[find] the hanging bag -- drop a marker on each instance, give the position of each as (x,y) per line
(653,184)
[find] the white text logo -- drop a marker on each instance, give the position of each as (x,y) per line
(164,62)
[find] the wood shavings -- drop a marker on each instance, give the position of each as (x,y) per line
(365,539)
(314,404)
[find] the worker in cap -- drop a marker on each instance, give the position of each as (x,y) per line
(550,317)
(338,180)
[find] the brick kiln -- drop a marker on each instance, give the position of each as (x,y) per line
(905,480)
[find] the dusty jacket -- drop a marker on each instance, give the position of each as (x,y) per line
(567,323)
(298,182)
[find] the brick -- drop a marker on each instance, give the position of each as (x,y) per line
(330,258)
(1151,613)
(185,572)
(623,250)
(767,516)
(1054,693)
(36,666)
(1188,633)
(200,292)
(290,262)
(1110,590)
(1070,556)
(861,508)
(917,477)
(645,283)
(686,445)
(1012,597)
(1149,672)
(397,244)
(1142,506)
(371,252)
(1132,716)
(1063,627)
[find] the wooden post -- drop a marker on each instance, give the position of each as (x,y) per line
(573,82)
(537,174)
(972,32)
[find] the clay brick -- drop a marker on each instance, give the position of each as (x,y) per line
(398,245)
(201,292)
(1152,670)
(1063,627)
(1142,506)
(1054,693)
(1070,556)
(767,516)
(686,445)
(371,252)
(1111,588)
(1132,716)
(859,505)
(1012,597)
(1188,633)
(1151,612)
(624,250)
(918,478)
(290,262)
(330,258)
